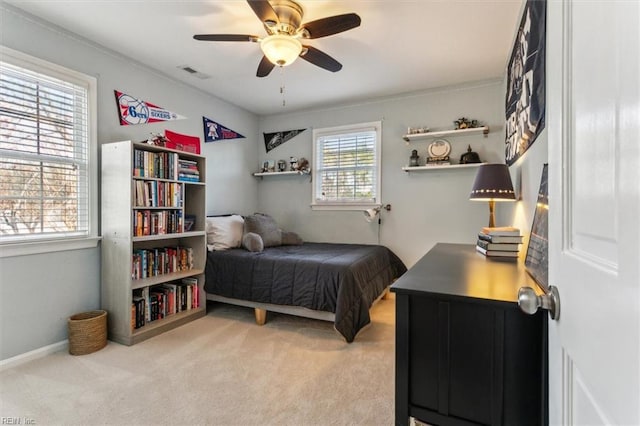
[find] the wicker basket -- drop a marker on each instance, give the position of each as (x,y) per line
(87,332)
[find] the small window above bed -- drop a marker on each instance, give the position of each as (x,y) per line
(346,169)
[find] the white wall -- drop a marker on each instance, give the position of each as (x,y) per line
(427,207)
(526,174)
(40,292)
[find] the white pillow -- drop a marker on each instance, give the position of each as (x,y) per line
(224,232)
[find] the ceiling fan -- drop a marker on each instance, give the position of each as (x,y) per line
(282,21)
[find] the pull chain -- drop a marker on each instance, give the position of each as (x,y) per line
(284,102)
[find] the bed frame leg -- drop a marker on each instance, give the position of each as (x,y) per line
(261,315)
(385,295)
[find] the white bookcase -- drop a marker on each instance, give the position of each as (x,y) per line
(122,194)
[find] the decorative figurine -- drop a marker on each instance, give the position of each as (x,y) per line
(417,130)
(469,157)
(413,160)
(293,164)
(303,165)
(157,139)
(464,123)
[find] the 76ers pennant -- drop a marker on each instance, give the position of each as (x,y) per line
(136,111)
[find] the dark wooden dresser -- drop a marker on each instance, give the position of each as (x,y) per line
(465,353)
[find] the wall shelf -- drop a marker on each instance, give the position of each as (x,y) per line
(441,167)
(288,173)
(431,135)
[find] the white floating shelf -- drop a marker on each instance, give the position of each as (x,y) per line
(462,132)
(440,167)
(262,174)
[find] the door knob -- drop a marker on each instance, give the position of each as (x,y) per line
(530,302)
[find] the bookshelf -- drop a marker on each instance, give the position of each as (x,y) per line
(147,193)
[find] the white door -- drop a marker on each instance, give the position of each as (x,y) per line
(593,115)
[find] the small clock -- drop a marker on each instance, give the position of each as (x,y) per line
(439,148)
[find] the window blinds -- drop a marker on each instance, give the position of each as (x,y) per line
(346,167)
(44,153)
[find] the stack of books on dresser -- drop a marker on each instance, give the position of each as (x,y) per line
(501,243)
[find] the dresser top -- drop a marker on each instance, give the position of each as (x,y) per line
(457,270)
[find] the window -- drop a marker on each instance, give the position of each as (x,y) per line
(46,152)
(346,172)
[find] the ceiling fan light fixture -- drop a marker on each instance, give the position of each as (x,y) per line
(281,49)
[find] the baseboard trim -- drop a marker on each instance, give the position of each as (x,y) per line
(34,354)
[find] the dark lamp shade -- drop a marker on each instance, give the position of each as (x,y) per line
(493,183)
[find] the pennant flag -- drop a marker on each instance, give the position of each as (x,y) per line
(273,140)
(136,111)
(216,132)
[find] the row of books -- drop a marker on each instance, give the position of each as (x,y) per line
(188,171)
(150,222)
(157,302)
(159,165)
(155,193)
(499,242)
(147,263)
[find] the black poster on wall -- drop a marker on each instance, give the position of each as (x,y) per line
(525,98)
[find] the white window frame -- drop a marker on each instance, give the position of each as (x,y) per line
(49,243)
(347,205)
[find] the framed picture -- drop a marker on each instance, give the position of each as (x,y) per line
(189,222)
(537,259)
(525,97)
(268,166)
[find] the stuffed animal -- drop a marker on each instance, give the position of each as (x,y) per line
(303,165)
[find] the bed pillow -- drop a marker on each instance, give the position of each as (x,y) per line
(252,242)
(291,239)
(265,226)
(224,232)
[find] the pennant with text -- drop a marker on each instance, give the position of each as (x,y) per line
(275,139)
(216,132)
(136,111)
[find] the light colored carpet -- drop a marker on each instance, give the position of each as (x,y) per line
(219,370)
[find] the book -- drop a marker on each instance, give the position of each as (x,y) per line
(497,246)
(501,231)
(497,253)
(513,239)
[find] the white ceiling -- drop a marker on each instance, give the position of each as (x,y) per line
(401,46)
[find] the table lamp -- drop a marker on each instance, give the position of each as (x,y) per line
(492,183)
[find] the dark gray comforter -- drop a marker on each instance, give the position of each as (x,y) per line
(343,279)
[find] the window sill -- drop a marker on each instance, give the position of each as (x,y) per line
(50,246)
(344,206)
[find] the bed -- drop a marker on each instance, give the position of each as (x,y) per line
(334,282)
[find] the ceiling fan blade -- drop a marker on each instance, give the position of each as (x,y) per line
(265,67)
(226,37)
(321,59)
(331,25)
(264,11)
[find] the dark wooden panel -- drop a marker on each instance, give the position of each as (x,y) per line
(444,357)
(471,362)
(524,365)
(423,357)
(402,359)
(438,419)
(497,382)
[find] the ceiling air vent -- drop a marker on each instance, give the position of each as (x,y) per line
(193,72)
